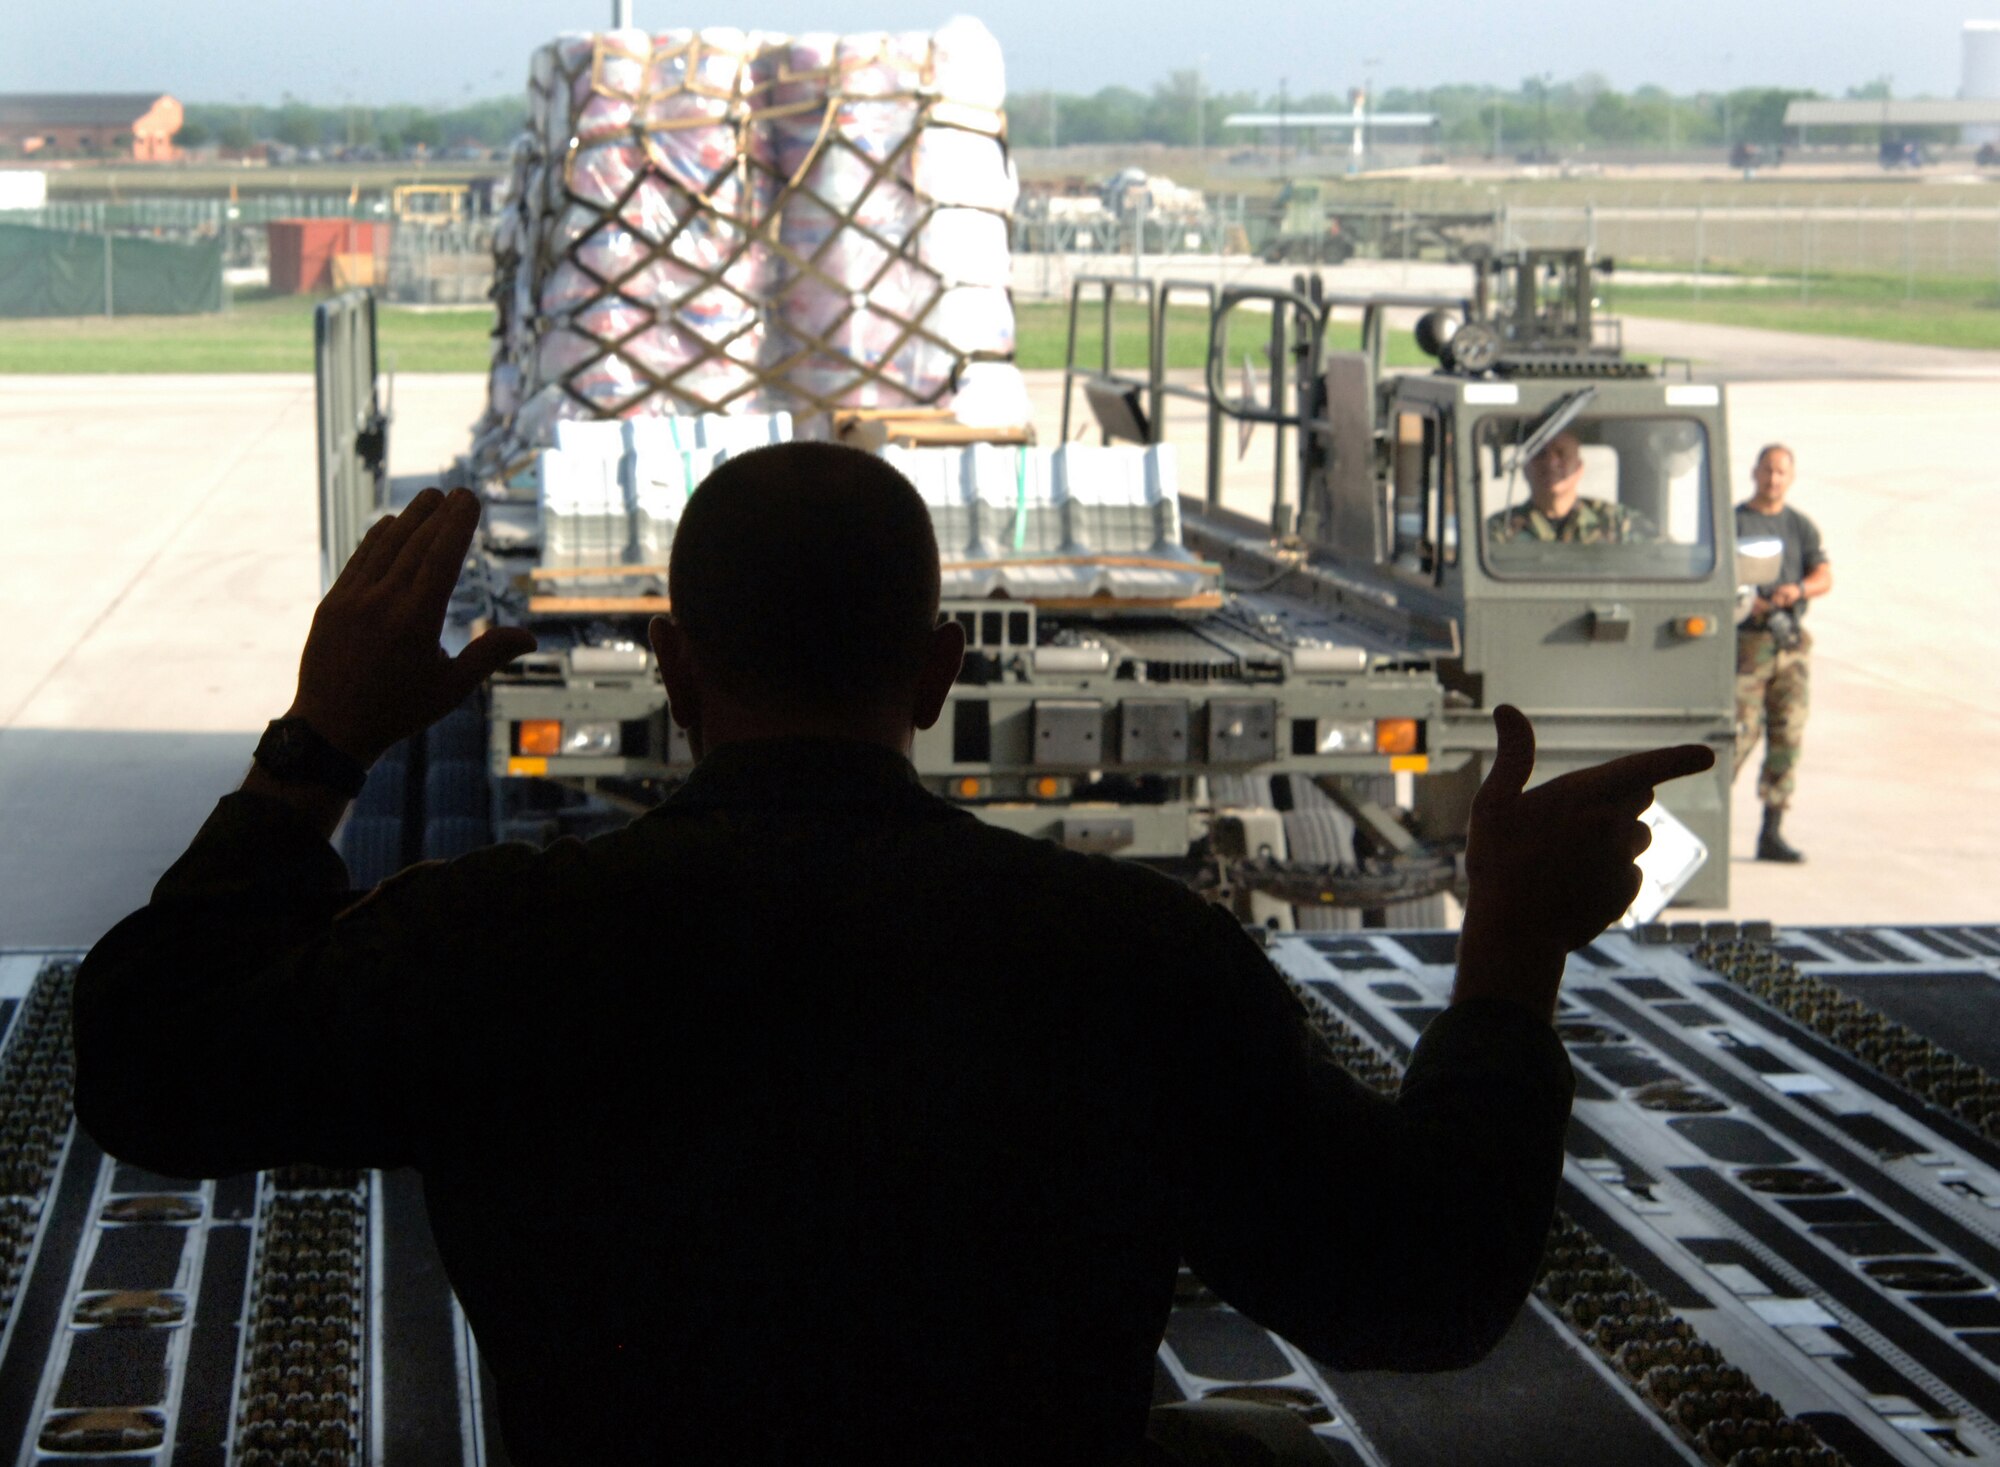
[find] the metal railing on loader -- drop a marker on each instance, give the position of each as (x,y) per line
(1285,392)
(353,427)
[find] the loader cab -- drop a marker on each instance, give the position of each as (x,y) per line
(1608,501)
(1581,534)
(1570,511)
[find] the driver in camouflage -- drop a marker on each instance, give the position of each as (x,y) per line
(1557,512)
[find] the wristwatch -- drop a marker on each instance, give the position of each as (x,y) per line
(292,752)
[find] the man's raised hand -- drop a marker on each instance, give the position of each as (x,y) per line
(1551,867)
(373,672)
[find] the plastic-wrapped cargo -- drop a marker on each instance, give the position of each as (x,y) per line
(720,221)
(582,515)
(611,492)
(1120,501)
(1072,523)
(661,484)
(711,430)
(892,241)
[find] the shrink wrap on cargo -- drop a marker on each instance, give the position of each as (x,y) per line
(721,221)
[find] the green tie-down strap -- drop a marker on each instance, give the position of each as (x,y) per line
(1020,498)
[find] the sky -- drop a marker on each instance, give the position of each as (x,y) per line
(442,52)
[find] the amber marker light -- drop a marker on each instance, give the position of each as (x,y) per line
(969,788)
(1695,626)
(540,736)
(1395,736)
(1048,786)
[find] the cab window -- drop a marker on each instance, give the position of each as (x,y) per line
(1605,498)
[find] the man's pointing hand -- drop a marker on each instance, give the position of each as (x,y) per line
(1551,867)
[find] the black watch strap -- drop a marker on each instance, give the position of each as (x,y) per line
(292,752)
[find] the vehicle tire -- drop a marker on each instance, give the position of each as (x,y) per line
(1249,791)
(1320,832)
(1422,912)
(460,734)
(449,836)
(457,788)
(372,846)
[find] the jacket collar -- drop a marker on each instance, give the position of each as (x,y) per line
(772,773)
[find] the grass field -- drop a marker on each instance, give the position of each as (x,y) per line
(1937,312)
(215,180)
(260,333)
(266,333)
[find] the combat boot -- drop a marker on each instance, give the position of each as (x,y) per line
(1771,846)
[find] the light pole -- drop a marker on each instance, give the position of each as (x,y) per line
(1200,108)
(1281,130)
(1727,60)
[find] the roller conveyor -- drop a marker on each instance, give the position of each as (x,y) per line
(1778,1242)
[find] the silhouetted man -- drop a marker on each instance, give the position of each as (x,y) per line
(809,1119)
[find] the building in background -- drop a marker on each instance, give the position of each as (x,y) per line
(1979,77)
(139,126)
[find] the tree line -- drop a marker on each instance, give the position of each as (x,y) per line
(390,131)
(1540,115)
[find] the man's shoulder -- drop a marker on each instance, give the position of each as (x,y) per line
(1083,869)
(1510,523)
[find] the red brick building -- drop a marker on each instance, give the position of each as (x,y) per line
(135,125)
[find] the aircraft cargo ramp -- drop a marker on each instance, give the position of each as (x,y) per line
(1780,1228)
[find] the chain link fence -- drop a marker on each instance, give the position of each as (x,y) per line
(237,223)
(1916,241)
(443,264)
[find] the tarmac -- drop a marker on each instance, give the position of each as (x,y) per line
(163,544)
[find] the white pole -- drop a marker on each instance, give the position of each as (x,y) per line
(1909,251)
(1200,109)
(621,14)
(1700,244)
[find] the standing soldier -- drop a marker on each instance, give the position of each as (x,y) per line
(1772,644)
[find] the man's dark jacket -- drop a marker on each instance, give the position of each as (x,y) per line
(811,1119)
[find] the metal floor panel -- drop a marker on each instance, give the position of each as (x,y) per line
(1739,1178)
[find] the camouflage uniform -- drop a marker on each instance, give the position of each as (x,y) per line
(1589,522)
(1773,696)
(1773,687)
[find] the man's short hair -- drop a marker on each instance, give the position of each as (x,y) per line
(805,576)
(1770,448)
